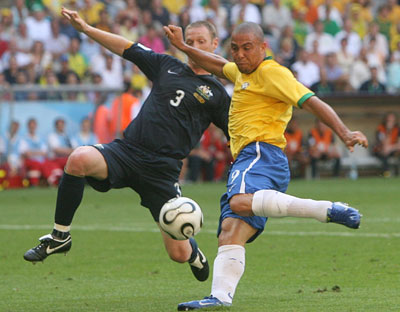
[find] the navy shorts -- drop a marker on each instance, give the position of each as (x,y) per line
(259,166)
(152,176)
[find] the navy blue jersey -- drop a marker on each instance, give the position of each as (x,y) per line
(180,107)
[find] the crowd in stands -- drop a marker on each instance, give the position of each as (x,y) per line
(330,46)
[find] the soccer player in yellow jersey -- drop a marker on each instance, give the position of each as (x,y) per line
(261,108)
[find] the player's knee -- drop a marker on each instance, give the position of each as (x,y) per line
(241,204)
(179,254)
(78,161)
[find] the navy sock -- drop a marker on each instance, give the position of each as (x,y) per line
(69,197)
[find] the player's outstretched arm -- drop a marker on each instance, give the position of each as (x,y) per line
(326,114)
(209,61)
(112,42)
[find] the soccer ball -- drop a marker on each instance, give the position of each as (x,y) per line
(181,218)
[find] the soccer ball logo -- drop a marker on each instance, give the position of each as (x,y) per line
(181,218)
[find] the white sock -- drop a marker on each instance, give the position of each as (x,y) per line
(270,203)
(228,269)
(62,228)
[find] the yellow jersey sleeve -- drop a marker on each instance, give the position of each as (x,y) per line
(230,71)
(282,85)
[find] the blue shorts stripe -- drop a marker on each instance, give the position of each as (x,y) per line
(258,155)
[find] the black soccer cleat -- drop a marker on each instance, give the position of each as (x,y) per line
(198,263)
(48,246)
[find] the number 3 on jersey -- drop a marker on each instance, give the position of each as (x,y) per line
(179,96)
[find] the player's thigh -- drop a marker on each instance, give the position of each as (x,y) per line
(235,231)
(87,161)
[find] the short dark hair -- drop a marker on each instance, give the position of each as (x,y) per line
(211,28)
(249,27)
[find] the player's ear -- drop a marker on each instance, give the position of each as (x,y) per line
(215,43)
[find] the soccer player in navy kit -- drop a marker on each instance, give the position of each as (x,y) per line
(183,101)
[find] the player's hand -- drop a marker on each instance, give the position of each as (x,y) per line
(354,138)
(174,35)
(74,18)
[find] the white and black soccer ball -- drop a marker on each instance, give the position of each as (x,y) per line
(181,218)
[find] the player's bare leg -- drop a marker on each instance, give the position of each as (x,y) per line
(84,161)
(187,251)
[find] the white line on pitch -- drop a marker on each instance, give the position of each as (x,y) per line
(153,230)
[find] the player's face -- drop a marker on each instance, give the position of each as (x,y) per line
(200,38)
(247,51)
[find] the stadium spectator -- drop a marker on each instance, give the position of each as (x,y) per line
(131,11)
(19,12)
(60,148)
(321,147)
(326,43)
(23,41)
(91,11)
(33,150)
(57,44)
(360,25)
(243,11)
(373,86)
(4,87)
(354,42)
(301,28)
(152,39)
(276,16)
(49,78)
(315,56)
(85,136)
(8,29)
(11,72)
(12,141)
(73,79)
(311,10)
(218,15)
(194,11)
(387,143)
(22,80)
(327,11)
(111,73)
(295,151)
(41,59)
(360,71)
(383,21)
(394,36)
(124,109)
(393,75)
(67,29)
(307,71)
(376,42)
(344,58)
(38,25)
(127,29)
(104,21)
(287,52)
(23,59)
(335,74)
(323,87)
(76,60)
(159,12)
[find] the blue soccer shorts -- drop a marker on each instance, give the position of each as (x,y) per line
(259,166)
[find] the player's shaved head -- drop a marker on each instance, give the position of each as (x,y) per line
(249,28)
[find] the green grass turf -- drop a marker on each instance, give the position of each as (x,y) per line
(118,262)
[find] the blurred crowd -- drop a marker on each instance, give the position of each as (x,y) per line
(331,46)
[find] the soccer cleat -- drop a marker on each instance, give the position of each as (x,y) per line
(199,265)
(342,213)
(48,246)
(207,302)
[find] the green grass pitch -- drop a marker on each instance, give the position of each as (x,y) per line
(118,262)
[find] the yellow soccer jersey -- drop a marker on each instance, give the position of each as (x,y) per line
(262,103)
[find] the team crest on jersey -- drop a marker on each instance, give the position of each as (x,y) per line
(205,92)
(199,98)
(245,85)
